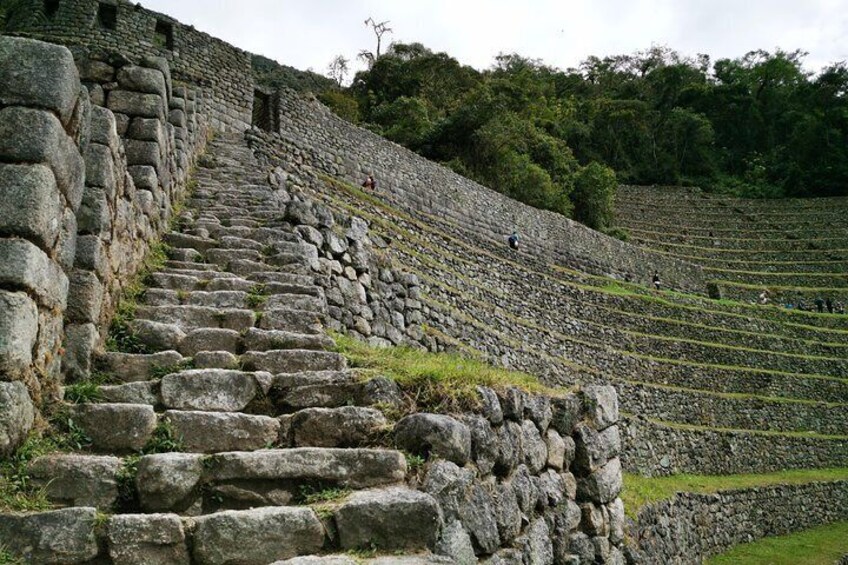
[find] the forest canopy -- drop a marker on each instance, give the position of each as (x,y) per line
(758,126)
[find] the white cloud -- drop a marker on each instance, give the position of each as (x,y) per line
(560,32)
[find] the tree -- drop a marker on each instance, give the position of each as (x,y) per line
(379,29)
(338,69)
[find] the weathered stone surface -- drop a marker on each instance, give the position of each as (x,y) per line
(393,518)
(23,265)
(141,79)
(31,206)
(130,367)
(354,468)
(35,136)
(85,297)
(165,481)
(158,336)
(536,544)
(603,485)
(34,73)
(556,449)
(456,544)
(567,411)
(18,333)
(510,450)
(484,443)
(293,361)
(616,521)
(116,427)
(61,536)
(491,406)
(436,435)
(147,539)
(507,513)
(80,342)
(144,392)
(210,339)
(537,408)
(257,536)
(99,167)
(477,513)
(601,405)
(211,389)
(594,449)
(535,450)
(209,432)
(136,104)
(78,480)
(347,426)
(91,256)
(16,413)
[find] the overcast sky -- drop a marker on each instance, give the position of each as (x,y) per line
(309,33)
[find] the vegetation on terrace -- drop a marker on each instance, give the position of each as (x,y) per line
(822,545)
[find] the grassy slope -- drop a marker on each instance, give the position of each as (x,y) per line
(822,545)
(641,491)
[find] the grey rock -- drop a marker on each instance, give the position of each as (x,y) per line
(601,405)
(256,537)
(141,79)
(63,537)
(131,367)
(146,392)
(16,414)
(209,432)
(567,411)
(99,167)
(436,435)
(392,518)
(556,449)
(551,487)
(147,539)
(536,545)
(525,491)
(80,343)
(35,136)
(595,520)
(616,521)
(116,427)
(85,297)
(491,406)
(19,328)
(507,513)
(594,449)
(210,389)
(166,481)
(158,336)
(512,403)
(91,256)
(34,73)
(136,104)
(31,206)
(347,426)
(210,339)
(456,544)
(358,230)
(77,480)
(603,485)
(537,408)
(477,513)
(535,450)
(450,485)
(23,265)
(581,545)
(484,443)
(215,360)
(510,448)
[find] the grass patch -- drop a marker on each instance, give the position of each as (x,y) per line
(164,439)
(82,393)
(311,494)
(822,545)
(8,558)
(437,381)
(257,296)
(640,491)
(159,371)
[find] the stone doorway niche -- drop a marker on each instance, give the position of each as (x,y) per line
(266,111)
(107,16)
(163,35)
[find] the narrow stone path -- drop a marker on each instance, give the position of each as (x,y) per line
(240,385)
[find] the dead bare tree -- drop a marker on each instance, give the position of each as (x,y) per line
(338,69)
(379,29)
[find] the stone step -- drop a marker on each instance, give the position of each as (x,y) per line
(331,389)
(214,390)
(183,482)
(115,428)
(203,274)
(296,302)
(346,426)
(77,480)
(298,321)
(233,242)
(266,340)
(394,559)
(223,257)
(192,317)
(132,367)
(190,266)
(292,361)
(279,277)
(212,299)
(181,240)
(212,432)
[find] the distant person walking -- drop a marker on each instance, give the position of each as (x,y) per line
(513,240)
(370,183)
(819,305)
(764,297)
(656,280)
(829,304)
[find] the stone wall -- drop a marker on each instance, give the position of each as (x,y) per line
(656,449)
(341,149)
(691,527)
(86,192)
(194,57)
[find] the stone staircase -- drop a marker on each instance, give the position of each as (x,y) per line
(234,378)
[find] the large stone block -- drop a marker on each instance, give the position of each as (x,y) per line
(31,206)
(18,332)
(136,104)
(435,434)
(23,265)
(160,64)
(78,480)
(99,167)
(80,344)
(601,405)
(140,79)
(144,177)
(603,485)
(16,414)
(146,129)
(94,215)
(91,256)
(37,136)
(144,153)
(147,539)
(34,73)
(59,537)
(116,427)
(393,518)
(166,481)
(257,537)
(104,129)
(85,297)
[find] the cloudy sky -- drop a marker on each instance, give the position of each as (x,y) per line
(309,33)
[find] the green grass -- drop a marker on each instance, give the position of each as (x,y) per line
(641,491)
(437,381)
(17,493)
(85,392)
(691,427)
(822,545)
